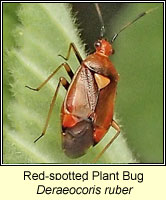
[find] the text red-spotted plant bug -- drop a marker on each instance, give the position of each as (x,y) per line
(88,108)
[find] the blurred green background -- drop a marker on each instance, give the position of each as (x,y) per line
(138,59)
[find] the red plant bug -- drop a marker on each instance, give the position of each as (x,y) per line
(88,108)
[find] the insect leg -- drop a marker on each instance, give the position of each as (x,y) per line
(117,128)
(65,84)
(72,45)
(67,68)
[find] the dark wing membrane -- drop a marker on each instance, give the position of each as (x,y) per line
(77,139)
(82,95)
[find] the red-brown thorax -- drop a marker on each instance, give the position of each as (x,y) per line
(104,47)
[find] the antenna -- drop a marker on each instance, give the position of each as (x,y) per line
(101,20)
(132,22)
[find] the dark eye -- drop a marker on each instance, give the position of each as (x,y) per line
(113,51)
(97,44)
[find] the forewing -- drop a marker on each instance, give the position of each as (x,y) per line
(82,95)
(105,106)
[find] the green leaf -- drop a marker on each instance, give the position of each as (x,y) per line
(9,23)
(46,31)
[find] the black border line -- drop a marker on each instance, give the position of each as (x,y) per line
(58,164)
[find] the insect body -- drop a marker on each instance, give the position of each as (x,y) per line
(87,111)
(88,108)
